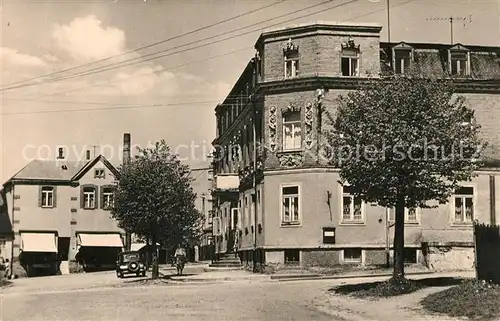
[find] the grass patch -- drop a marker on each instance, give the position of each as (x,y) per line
(392,287)
(476,300)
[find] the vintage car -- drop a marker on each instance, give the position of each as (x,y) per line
(131,262)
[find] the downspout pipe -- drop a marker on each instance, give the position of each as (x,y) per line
(492,200)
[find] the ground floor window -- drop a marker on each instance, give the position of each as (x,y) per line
(353,255)
(292,256)
(411,255)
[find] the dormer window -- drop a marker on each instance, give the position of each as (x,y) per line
(291,55)
(402,57)
(350,59)
(459,61)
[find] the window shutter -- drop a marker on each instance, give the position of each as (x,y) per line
(40,196)
(82,199)
(54,196)
(96,196)
(101,197)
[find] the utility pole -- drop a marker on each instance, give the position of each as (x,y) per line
(388,22)
(451,19)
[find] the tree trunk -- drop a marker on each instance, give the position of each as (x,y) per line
(399,240)
(154,270)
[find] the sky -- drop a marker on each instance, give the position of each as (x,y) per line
(172,97)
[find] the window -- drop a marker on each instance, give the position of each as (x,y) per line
(292,256)
(47,196)
(352,255)
(352,206)
(290,205)
(291,64)
(350,62)
(88,199)
(99,173)
(292,131)
(107,198)
(463,205)
(412,215)
(410,255)
(402,61)
(459,63)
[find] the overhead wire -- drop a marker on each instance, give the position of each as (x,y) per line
(150,45)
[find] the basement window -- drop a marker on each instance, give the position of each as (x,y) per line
(410,255)
(353,255)
(292,256)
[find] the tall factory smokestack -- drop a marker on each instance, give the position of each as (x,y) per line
(126,149)
(126,162)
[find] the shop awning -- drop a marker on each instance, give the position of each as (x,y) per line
(38,242)
(138,246)
(100,240)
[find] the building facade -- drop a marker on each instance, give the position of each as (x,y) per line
(59,212)
(295,211)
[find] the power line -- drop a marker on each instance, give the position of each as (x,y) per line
(193,103)
(152,44)
(162,69)
(145,74)
(142,60)
(164,105)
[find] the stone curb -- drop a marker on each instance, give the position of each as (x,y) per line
(293,277)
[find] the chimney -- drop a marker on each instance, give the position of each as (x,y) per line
(126,148)
(88,154)
(60,153)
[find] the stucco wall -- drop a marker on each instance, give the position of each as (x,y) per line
(451,258)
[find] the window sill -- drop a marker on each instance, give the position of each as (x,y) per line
(409,223)
(46,206)
(352,262)
(293,224)
(88,208)
(459,224)
(353,223)
(286,151)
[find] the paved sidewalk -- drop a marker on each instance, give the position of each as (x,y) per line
(222,276)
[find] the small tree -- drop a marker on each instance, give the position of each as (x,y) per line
(402,143)
(154,200)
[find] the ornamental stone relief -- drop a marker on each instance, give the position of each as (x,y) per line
(308,122)
(291,159)
(290,108)
(272,128)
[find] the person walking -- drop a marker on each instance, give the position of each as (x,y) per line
(180,258)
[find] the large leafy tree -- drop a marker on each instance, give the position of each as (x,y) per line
(154,199)
(403,143)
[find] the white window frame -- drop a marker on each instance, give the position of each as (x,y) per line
(110,196)
(356,72)
(86,198)
(293,125)
(467,62)
(293,59)
(402,60)
(351,220)
(392,215)
(291,222)
(464,197)
(45,196)
(349,261)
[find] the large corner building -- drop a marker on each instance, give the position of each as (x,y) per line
(296,211)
